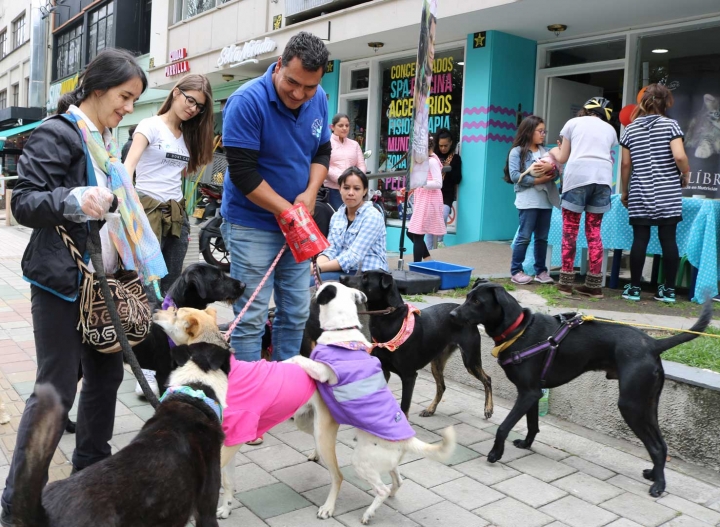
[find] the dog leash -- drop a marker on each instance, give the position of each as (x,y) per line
(237,320)
(591,318)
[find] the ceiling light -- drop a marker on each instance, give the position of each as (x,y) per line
(557,28)
(660,50)
(376,45)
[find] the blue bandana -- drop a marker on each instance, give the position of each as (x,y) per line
(198,394)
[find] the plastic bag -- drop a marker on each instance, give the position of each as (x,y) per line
(302,234)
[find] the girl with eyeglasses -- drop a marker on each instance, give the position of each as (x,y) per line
(165,147)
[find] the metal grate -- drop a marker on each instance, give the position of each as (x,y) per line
(293,7)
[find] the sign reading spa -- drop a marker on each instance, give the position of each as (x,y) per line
(248,51)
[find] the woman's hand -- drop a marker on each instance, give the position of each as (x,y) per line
(544,179)
(95,202)
(624,199)
(685,179)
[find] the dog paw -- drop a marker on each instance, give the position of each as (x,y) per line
(366,518)
(488,413)
(427,413)
(223,512)
(657,489)
(494,455)
(649,474)
(325,512)
(521,443)
(314,456)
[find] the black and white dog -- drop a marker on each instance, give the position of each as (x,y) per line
(623,352)
(168,474)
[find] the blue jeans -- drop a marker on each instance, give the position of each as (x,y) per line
(432,240)
(252,251)
(593,198)
(334,198)
(537,222)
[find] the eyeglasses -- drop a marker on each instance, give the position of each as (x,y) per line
(541,132)
(192,103)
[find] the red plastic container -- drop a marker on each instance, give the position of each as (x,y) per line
(302,233)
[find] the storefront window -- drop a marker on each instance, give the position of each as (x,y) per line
(68,52)
(595,52)
(190,8)
(100,30)
(688,63)
(396,116)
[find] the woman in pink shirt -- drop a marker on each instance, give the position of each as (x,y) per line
(346,153)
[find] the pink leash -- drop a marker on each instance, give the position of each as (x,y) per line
(255,293)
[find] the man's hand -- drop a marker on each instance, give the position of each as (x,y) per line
(308,198)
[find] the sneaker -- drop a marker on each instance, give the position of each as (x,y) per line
(665,294)
(716,298)
(521,278)
(441,245)
(150,378)
(544,278)
(631,293)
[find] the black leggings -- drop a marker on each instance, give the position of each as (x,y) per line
(671,257)
(420,250)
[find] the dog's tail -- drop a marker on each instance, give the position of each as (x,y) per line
(662,345)
(44,431)
(438,452)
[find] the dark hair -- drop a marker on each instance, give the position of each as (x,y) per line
(338,116)
(523,139)
(431,142)
(111,67)
(198,130)
(309,49)
(131,131)
(443,133)
(656,99)
(354,171)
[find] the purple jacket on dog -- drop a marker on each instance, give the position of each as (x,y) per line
(361,398)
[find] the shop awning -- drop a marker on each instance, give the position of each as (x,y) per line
(7,134)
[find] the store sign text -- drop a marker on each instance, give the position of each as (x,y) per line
(59,89)
(176,68)
(233,54)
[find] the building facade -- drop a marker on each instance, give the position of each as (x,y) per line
(496,62)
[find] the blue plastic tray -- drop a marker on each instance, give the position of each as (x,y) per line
(451,275)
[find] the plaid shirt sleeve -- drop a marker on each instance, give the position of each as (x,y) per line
(350,253)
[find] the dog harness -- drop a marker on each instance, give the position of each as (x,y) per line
(361,397)
(406,330)
(197,394)
(551,344)
(168,302)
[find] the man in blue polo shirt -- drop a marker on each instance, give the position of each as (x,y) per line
(277,140)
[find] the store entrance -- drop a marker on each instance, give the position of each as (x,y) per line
(568,93)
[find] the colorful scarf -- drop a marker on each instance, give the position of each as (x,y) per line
(132,236)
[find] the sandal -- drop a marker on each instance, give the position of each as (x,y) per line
(255,442)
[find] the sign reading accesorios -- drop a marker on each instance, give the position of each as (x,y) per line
(234,54)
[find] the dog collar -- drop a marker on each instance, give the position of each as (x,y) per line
(406,330)
(197,394)
(509,330)
(168,302)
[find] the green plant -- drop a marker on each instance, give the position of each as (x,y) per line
(413,298)
(550,294)
(702,352)
(509,286)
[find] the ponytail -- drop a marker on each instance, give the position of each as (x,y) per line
(74,97)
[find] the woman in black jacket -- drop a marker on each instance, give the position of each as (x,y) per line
(451,180)
(55,188)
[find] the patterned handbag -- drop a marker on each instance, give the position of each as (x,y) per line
(129,295)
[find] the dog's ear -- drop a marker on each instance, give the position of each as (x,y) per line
(360,297)
(180,354)
(326,295)
(506,302)
(197,279)
(212,312)
(192,325)
(386,280)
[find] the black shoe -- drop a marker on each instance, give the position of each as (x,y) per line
(70,427)
(74,470)
(6,519)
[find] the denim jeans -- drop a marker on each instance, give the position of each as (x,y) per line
(334,198)
(432,240)
(252,251)
(537,222)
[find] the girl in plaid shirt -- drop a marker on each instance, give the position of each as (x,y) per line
(357,232)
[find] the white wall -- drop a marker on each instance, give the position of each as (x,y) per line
(15,66)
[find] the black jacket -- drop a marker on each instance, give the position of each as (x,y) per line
(51,165)
(451,179)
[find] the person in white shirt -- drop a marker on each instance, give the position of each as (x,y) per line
(165,147)
(346,153)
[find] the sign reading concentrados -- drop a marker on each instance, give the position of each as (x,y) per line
(254,48)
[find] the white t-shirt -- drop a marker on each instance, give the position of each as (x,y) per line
(591,142)
(159,171)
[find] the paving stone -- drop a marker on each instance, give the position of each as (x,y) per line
(685,521)
(301,518)
(429,473)
(469,435)
(350,498)
(347,437)
(512,513)
(426,435)
(119,440)
(461,455)
(131,400)
(623,522)
(298,440)
(384,517)
(272,500)
(144,412)
(284,427)
(276,457)
(639,488)
(268,440)
(549,451)
(242,517)
(342,452)
(556,524)
(467,493)
(446,513)
(516,433)
(435,422)
(511,452)
(690,509)
(250,477)
(351,476)
(486,473)
(412,497)
(640,510)
(303,477)
(589,468)
(474,420)
(588,488)
(542,468)
(530,490)
(127,386)
(578,513)
(127,423)
(688,487)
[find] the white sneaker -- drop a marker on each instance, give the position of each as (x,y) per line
(150,378)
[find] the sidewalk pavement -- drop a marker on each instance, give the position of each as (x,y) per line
(571,477)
